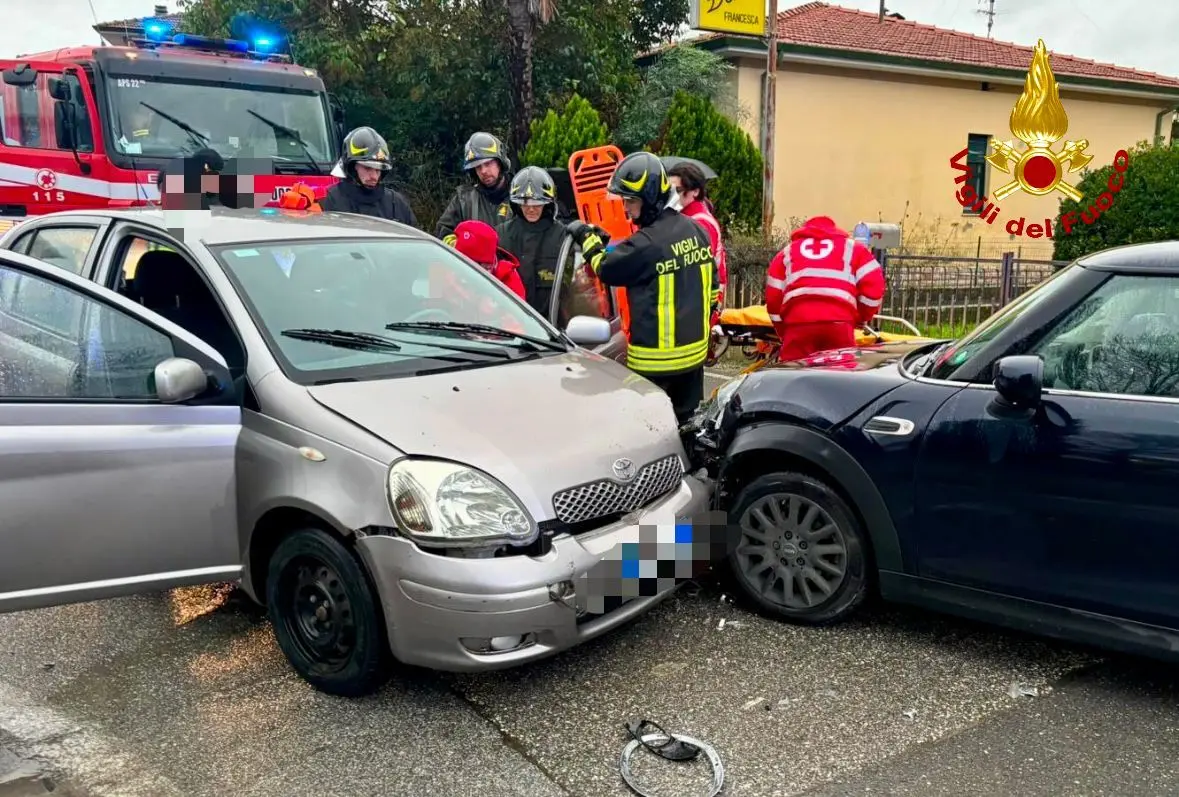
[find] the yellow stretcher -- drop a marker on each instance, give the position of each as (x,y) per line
(750,328)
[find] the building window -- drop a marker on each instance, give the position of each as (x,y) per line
(977,145)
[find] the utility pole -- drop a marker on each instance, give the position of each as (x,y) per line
(883,11)
(990,15)
(768,114)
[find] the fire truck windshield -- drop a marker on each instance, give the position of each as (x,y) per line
(170,118)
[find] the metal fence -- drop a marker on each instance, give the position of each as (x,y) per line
(937,294)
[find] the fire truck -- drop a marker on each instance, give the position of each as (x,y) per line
(91,127)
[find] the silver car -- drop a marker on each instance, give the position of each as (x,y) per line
(391,451)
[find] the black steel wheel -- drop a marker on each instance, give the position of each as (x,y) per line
(325,613)
(801,555)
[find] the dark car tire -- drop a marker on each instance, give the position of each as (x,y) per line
(839,528)
(326,615)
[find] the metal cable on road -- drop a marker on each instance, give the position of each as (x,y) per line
(714,761)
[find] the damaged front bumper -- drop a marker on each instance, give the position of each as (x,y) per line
(469,615)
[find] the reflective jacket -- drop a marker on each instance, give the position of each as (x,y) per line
(668,272)
(823,276)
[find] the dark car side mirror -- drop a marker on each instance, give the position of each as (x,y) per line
(1019,380)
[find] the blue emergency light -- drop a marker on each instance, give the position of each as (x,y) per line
(205,42)
(156,29)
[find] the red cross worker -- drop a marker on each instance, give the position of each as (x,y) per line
(820,288)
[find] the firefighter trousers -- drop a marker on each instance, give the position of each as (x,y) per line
(686,390)
(803,340)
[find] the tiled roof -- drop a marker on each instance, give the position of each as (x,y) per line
(845,29)
(826,25)
(137,23)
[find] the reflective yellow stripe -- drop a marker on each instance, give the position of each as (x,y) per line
(665,312)
(653,360)
(709,294)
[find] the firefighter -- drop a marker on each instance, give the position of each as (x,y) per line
(690,187)
(820,288)
(366,164)
(534,234)
(485,161)
(668,273)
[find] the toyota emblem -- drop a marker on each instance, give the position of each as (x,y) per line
(624,469)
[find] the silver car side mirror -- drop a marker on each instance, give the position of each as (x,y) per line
(179,379)
(585,330)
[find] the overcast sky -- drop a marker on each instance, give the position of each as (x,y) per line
(1138,33)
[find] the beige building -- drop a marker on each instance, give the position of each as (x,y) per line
(870,112)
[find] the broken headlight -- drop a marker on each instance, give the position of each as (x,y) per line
(712,413)
(445,504)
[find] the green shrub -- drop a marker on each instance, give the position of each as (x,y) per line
(557,136)
(695,129)
(1145,209)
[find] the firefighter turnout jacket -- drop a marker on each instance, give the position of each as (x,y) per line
(669,275)
(823,277)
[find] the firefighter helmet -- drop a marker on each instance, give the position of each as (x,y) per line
(484,147)
(641,175)
(365,147)
(533,186)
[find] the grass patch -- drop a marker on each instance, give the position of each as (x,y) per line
(946,330)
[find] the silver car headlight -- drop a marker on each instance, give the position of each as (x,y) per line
(451,505)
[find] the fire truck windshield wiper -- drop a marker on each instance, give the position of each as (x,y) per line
(293,135)
(200,138)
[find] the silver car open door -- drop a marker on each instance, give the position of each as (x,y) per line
(118,433)
(576,293)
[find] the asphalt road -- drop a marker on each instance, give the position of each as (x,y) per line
(185,693)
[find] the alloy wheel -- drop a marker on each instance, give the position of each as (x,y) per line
(791,551)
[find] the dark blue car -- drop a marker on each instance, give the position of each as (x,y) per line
(1027,474)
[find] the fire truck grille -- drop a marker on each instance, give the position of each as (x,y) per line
(608,497)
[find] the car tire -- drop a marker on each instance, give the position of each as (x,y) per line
(811,523)
(326,615)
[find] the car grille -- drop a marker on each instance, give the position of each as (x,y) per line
(608,497)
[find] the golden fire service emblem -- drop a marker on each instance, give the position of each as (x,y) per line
(1039,121)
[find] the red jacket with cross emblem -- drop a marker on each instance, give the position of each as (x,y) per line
(823,276)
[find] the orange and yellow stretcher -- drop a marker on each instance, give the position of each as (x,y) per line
(751,329)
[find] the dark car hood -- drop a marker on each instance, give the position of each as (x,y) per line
(824,390)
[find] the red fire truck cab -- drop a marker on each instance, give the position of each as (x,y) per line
(90,127)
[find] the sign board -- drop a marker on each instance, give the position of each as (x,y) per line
(862,234)
(880,236)
(743,17)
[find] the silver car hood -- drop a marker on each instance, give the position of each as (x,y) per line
(539,426)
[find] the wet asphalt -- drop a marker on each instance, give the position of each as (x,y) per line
(186,693)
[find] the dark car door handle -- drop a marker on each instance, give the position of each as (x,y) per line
(889,427)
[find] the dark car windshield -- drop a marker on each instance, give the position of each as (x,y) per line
(954,356)
(335,309)
(168,118)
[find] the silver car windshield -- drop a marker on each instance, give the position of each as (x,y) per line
(343,309)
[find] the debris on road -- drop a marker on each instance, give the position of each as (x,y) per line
(753,703)
(909,713)
(667,668)
(671,747)
(1018,690)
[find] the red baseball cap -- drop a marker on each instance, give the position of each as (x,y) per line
(478,241)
